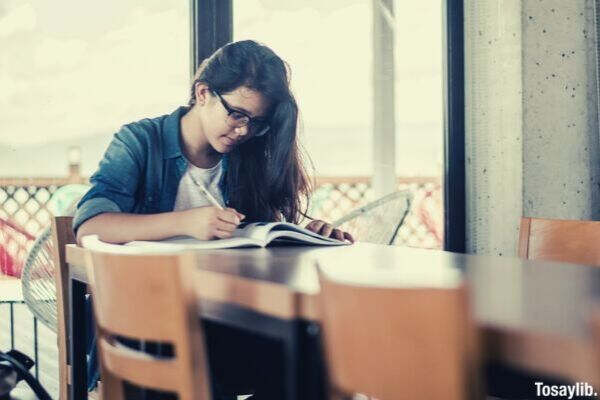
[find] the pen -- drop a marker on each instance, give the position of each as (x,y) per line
(206,193)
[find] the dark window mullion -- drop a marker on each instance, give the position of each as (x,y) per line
(454,127)
(211,28)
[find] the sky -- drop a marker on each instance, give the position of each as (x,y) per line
(72,69)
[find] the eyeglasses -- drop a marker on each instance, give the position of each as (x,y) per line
(237,119)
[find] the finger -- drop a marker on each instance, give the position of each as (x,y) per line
(239,214)
(338,234)
(326,230)
(229,216)
(219,234)
(225,226)
(348,237)
(315,226)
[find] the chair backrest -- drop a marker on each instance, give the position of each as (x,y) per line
(594,322)
(398,343)
(379,221)
(62,234)
(148,298)
(560,240)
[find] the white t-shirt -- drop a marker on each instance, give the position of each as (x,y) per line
(190,196)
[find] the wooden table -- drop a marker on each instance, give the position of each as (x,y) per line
(531,314)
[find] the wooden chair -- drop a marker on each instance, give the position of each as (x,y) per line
(149,299)
(560,240)
(62,234)
(394,343)
(594,322)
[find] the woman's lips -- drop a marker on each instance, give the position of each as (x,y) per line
(228,141)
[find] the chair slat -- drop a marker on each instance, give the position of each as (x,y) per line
(148,298)
(560,240)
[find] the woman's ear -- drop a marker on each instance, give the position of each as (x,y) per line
(202,92)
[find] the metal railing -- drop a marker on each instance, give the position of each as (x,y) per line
(334,197)
(16,326)
(11,306)
(24,200)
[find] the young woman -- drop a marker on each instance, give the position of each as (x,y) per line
(237,137)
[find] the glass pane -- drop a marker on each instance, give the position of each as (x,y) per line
(329,46)
(73,72)
(305,34)
(419,117)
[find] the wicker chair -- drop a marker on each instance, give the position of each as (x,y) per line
(379,221)
(37,279)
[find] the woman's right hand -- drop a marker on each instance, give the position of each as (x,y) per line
(205,223)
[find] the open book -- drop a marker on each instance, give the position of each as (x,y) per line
(257,234)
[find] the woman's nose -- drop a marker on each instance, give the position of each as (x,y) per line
(242,130)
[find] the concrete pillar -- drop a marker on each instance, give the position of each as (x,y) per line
(560,115)
(384,131)
(532,145)
(493,125)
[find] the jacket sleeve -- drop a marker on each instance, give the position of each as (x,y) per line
(115,183)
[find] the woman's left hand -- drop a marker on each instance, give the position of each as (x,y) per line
(325,229)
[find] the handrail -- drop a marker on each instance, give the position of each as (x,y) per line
(320,180)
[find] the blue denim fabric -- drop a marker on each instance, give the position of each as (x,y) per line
(140,170)
(139,174)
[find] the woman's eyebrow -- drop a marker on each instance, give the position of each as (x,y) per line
(244,111)
(241,109)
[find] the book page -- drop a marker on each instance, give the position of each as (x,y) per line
(189,243)
(265,232)
(288,236)
(293,232)
(172,245)
(256,230)
(93,243)
(287,226)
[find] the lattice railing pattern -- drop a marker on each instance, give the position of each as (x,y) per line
(423,227)
(23,214)
(25,203)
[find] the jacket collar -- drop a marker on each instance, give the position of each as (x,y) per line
(172,133)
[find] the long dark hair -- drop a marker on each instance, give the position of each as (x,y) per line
(266,179)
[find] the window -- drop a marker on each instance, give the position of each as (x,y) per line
(330,49)
(72,73)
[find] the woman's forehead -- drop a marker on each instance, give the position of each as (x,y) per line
(249,100)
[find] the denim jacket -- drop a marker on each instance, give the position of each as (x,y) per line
(140,171)
(139,174)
